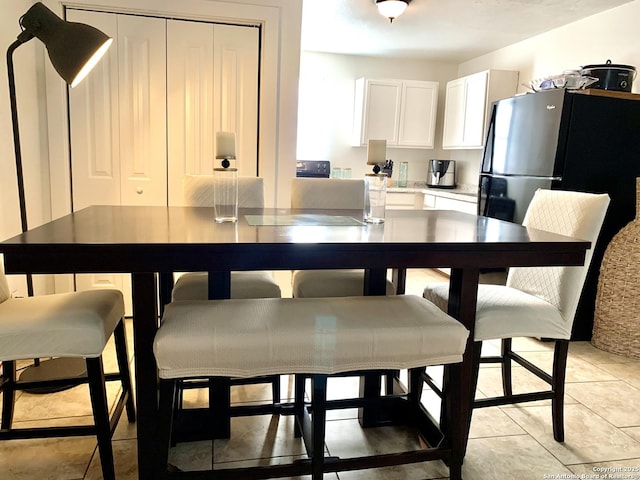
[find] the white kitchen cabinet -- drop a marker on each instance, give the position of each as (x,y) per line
(444,203)
(409,200)
(467,106)
(402,112)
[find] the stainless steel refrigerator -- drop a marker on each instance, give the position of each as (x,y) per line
(565,140)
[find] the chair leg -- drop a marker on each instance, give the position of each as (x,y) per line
(416,384)
(8,393)
(477,352)
(166,410)
(220,406)
(507,385)
(98,392)
(298,399)
(319,417)
(275,389)
(455,413)
(120,338)
(558,378)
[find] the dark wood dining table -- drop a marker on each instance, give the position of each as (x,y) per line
(149,242)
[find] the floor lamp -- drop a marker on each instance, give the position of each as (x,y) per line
(74,49)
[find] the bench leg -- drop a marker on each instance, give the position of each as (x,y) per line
(319,417)
(166,410)
(220,406)
(8,382)
(299,389)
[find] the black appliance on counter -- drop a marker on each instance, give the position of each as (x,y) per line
(564,140)
(313,168)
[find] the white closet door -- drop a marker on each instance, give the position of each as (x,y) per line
(143,112)
(212,85)
(93,105)
(235,70)
(189,102)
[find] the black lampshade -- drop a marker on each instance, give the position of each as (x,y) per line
(74,48)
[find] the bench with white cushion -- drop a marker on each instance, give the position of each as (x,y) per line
(316,337)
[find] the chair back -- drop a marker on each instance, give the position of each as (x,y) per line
(5,292)
(573,214)
(327,193)
(198,191)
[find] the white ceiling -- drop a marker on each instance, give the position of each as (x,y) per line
(438,30)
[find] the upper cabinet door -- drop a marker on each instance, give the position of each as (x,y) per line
(454,113)
(382,111)
(418,114)
(475,108)
(212,82)
(467,106)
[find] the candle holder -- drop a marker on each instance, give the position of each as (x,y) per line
(225,193)
(225,179)
(375,199)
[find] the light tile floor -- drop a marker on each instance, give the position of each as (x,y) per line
(602,428)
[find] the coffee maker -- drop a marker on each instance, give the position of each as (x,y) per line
(441,174)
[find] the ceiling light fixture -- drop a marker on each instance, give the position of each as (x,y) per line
(392,8)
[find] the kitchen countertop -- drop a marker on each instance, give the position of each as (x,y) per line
(465,193)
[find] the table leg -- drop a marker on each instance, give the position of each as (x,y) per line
(463,295)
(375,283)
(399,279)
(220,391)
(145,325)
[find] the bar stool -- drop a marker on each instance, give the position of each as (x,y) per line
(76,324)
(537,302)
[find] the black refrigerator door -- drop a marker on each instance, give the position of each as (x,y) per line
(508,197)
(523,135)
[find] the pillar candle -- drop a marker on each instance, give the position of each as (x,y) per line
(225,145)
(376,152)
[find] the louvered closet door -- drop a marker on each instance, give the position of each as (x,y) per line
(212,85)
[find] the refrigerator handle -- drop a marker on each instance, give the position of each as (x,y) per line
(487,153)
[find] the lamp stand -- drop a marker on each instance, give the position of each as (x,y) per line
(56,367)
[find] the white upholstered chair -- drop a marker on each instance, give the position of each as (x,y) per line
(536,302)
(76,324)
(336,194)
(198,192)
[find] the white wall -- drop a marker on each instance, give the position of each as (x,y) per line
(613,35)
(325,108)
